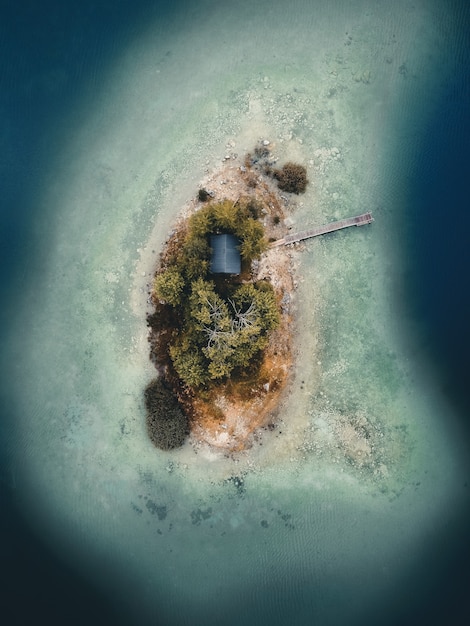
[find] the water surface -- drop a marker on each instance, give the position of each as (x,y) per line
(359,487)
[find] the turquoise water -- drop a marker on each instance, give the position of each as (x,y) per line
(366,465)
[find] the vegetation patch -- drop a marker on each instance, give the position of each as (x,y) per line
(292,178)
(218,326)
(167,425)
(211,334)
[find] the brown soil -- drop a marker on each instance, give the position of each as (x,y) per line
(228,414)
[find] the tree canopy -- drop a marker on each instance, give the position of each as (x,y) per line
(220,335)
(191,260)
(215,333)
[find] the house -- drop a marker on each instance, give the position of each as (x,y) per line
(225,257)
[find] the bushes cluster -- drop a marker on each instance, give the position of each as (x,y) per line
(291,178)
(167,425)
(213,333)
(220,335)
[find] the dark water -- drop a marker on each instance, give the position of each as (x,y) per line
(53,56)
(439,243)
(439,299)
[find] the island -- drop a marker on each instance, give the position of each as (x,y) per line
(221,329)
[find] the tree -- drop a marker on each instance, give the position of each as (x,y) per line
(207,307)
(225,215)
(194,258)
(261,297)
(253,243)
(238,218)
(168,286)
(201,222)
(188,361)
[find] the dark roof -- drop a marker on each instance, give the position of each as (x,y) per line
(225,258)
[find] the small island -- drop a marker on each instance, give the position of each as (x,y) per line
(221,327)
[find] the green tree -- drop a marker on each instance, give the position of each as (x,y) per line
(238,218)
(220,335)
(207,308)
(194,258)
(262,300)
(188,361)
(201,222)
(225,215)
(253,242)
(168,286)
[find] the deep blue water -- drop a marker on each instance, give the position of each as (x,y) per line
(53,55)
(439,238)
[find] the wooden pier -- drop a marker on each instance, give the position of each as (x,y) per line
(359,220)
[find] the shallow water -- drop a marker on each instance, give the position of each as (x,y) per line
(344,498)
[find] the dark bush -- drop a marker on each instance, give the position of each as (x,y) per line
(291,178)
(203,195)
(167,425)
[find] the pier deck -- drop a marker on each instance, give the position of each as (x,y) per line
(359,220)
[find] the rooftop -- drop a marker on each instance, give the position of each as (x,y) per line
(225,258)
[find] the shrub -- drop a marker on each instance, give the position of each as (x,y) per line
(253,207)
(167,425)
(203,195)
(291,178)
